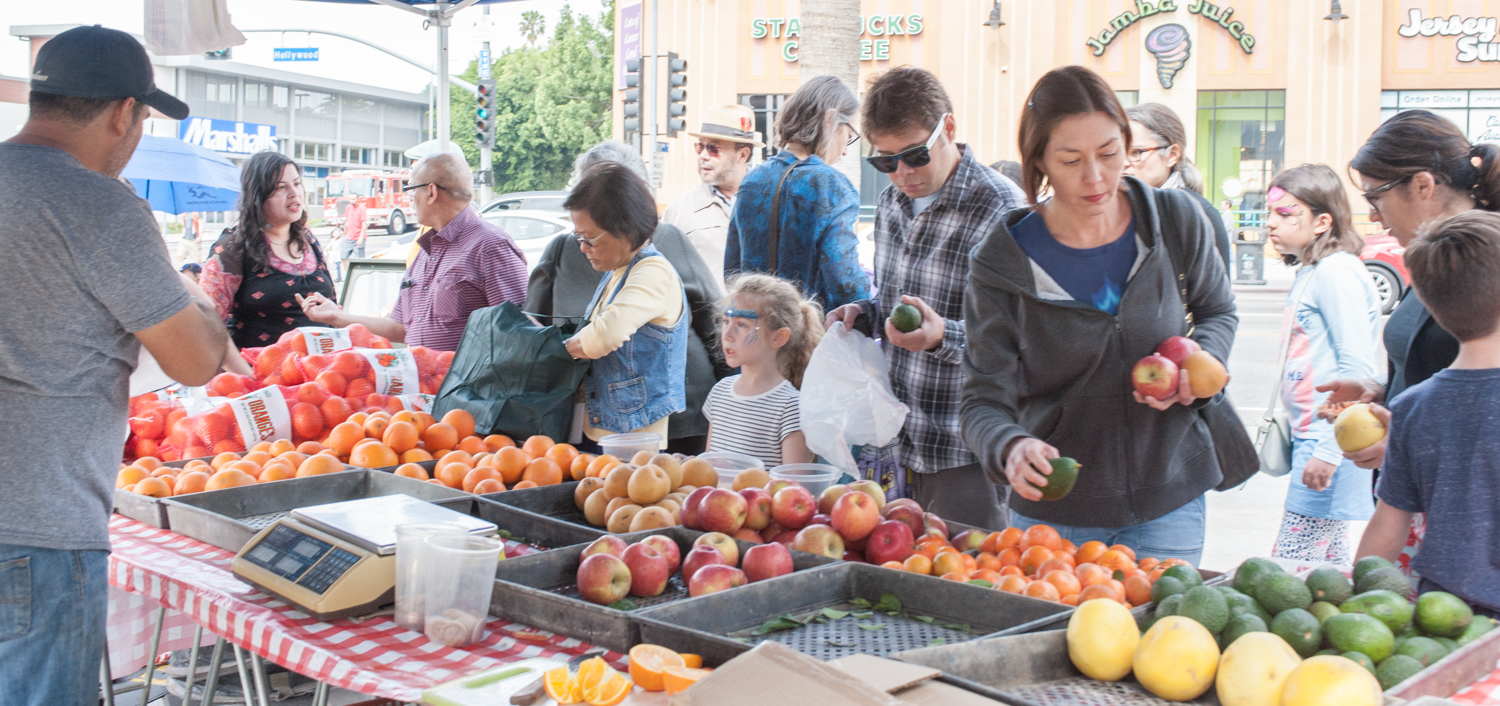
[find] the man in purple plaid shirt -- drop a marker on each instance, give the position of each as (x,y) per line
(941,203)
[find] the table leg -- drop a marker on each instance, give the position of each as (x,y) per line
(239,661)
(259,665)
(212,682)
(320,695)
(106,680)
(161,616)
(192,675)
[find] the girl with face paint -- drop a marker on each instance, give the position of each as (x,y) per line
(1332,320)
(768,330)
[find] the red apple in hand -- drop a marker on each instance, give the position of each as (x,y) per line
(792,507)
(667,548)
(648,570)
(757,508)
(1155,376)
(892,540)
(699,557)
(604,579)
(1177,348)
(821,540)
(722,542)
(715,578)
(767,561)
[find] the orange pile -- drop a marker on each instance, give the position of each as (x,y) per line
(267,462)
(1039,563)
(595,683)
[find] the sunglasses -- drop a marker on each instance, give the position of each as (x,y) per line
(916,157)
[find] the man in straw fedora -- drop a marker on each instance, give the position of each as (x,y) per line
(726,140)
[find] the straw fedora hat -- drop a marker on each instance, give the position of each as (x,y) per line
(729,122)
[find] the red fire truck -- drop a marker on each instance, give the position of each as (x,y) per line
(386,206)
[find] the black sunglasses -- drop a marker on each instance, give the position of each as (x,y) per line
(916,157)
(414,187)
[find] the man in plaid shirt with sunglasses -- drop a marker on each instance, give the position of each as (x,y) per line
(941,203)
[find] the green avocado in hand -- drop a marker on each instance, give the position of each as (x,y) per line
(906,318)
(1060,483)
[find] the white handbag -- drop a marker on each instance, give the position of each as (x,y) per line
(1273,440)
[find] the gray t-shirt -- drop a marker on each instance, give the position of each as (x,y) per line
(83,269)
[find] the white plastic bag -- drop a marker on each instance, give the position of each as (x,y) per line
(846,398)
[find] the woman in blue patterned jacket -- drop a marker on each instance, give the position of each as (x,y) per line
(794,215)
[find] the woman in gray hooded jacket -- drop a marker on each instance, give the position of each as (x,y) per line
(1064,299)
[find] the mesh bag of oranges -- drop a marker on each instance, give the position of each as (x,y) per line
(350,362)
(595,683)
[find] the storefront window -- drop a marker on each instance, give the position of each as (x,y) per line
(1241,146)
(1476,113)
(1128,99)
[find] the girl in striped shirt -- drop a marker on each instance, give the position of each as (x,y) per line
(768,331)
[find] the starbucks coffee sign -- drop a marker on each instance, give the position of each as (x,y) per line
(873,30)
(1146,8)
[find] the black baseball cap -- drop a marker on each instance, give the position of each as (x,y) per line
(107,64)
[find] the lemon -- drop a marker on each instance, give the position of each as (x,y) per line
(1177,659)
(1102,639)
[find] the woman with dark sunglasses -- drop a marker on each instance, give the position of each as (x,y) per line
(795,214)
(1417,170)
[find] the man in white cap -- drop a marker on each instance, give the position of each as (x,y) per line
(726,140)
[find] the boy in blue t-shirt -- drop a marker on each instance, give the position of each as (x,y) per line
(1443,454)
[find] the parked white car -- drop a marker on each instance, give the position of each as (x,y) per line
(531,230)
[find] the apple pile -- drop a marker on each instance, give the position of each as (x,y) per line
(1157,375)
(610,569)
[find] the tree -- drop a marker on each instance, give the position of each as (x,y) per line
(533,26)
(829,46)
(551,104)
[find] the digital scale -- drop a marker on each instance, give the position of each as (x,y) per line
(339,560)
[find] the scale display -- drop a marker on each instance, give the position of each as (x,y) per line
(302,559)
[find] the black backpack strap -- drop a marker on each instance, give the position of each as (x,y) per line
(1169,212)
(773,238)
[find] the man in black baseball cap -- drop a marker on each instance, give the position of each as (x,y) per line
(88,284)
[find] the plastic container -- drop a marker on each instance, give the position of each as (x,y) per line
(816,477)
(460,578)
(626,446)
(729,464)
(411,572)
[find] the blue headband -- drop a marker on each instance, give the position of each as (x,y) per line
(732,313)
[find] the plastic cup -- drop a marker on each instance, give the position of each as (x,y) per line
(729,464)
(626,446)
(816,477)
(410,570)
(460,578)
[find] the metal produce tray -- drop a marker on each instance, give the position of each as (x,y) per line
(151,510)
(230,518)
(531,528)
(549,500)
(541,590)
(717,626)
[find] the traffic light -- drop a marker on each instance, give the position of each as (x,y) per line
(484,113)
(632,105)
(676,94)
(221,55)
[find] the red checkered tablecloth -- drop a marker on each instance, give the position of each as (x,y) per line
(373,656)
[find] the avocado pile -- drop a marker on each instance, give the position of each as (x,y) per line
(1367,620)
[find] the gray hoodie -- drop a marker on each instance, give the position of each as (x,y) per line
(1040,364)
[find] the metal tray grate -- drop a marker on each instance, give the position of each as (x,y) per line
(676,590)
(260,522)
(843,637)
(1082,691)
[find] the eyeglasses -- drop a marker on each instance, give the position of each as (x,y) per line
(712,150)
(588,242)
(414,187)
(1139,153)
(854,139)
(916,157)
(1373,195)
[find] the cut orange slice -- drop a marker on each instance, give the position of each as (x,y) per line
(691,660)
(591,673)
(561,686)
(611,691)
(646,663)
(679,678)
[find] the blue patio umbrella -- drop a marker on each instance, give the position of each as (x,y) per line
(176,177)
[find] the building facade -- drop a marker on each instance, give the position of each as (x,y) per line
(326,125)
(1260,84)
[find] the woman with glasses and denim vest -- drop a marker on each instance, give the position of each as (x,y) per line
(638,320)
(1158,156)
(1417,170)
(795,214)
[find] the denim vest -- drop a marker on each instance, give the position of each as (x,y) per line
(645,378)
